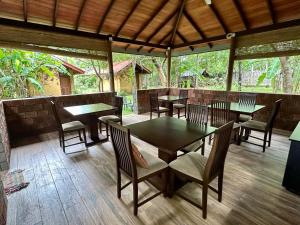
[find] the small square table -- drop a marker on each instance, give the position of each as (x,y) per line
(169,134)
(170,99)
(91,112)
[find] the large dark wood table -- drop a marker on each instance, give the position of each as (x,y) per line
(238,109)
(91,113)
(170,99)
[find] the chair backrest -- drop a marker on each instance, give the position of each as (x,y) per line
(219,113)
(153,97)
(197,114)
(217,156)
(183,94)
(247,99)
(275,110)
(119,105)
(56,116)
(120,137)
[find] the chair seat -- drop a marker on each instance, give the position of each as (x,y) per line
(255,125)
(178,106)
(112,118)
(236,125)
(155,164)
(162,109)
(191,164)
(244,118)
(72,126)
(193,147)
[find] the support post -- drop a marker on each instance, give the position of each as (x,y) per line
(169,57)
(231,64)
(110,65)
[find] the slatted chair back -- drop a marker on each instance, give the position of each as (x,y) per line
(220,112)
(119,105)
(197,114)
(217,156)
(56,116)
(183,94)
(153,97)
(120,137)
(275,110)
(247,100)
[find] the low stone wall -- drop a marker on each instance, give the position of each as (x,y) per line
(287,118)
(143,98)
(33,116)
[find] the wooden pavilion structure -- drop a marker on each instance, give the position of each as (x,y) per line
(96,28)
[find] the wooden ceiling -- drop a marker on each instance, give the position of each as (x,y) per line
(150,27)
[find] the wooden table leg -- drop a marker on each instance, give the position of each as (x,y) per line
(93,131)
(170,106)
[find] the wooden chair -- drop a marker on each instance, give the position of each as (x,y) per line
(70,127)
(264,127)
(247,100)
(117,117)
(120,137)
(197,168)
(154,105)
(181,103)
(197,114)
(220,115)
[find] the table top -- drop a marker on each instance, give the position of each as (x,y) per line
(236,107)
(169,133)
(88,109)
(171,98)
(296,133)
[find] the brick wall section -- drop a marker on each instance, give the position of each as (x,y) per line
(143,98)
(33,116)
(288,116)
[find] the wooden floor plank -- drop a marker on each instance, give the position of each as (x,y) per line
(81,188)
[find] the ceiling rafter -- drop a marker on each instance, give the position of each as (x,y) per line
(241,12)
(25,13)
(196,27)
(128,16)
(271,11)
(219,18)
(162,39)
(183,39)
(177,21)
(161,26)
(80,14)
(145,25)
(105,15)
(55,11)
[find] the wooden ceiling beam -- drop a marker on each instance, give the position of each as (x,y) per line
(267,28)
(104,16)
(162,39)
(183,39)
(240,10)
(145,25)
(160,26)
(219,18)
(55,11)
(180,12)
(80,14)
(127,17)
(25,13)
(271,11)
(195,26)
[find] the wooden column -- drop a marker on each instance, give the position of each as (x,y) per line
(110,65)
(169,60)
(231,64)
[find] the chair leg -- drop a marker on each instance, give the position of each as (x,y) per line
(178,113)
(150,115)
(59,136)
(220,186)
(119,184)
(165,181)
(171,182)
(209,140)
(203,147)
(100,127)
(135,198)
(79,134)
(185,111)
(63,142)
(270,137)
(265,141)
(204,200)
(106,128)
(158,114)
(240,136)
(84,137)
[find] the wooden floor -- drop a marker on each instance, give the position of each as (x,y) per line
(81,188)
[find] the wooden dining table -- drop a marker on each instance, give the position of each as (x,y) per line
(91,112)
(169,135)
(170,99)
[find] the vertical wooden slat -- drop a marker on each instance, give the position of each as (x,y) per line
(110,65)
(231,64)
